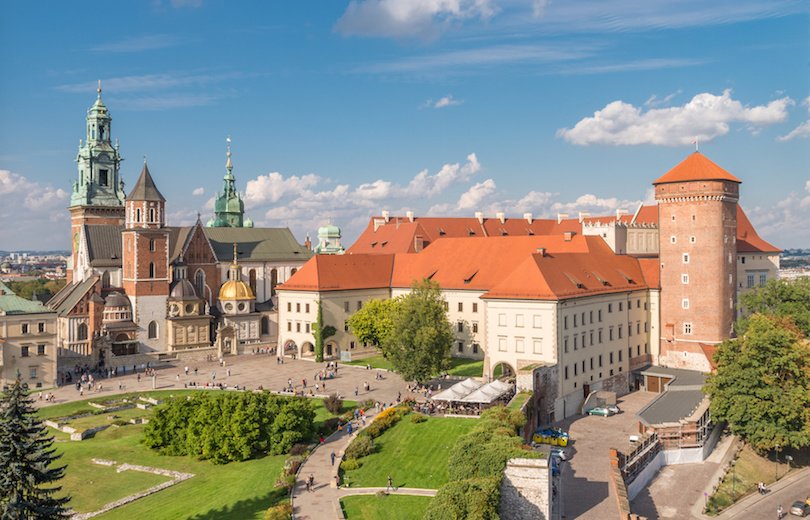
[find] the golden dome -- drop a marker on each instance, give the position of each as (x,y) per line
(236,290)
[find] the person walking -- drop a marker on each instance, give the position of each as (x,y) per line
(332,455)
(311,482)
(390,484)
(779,512)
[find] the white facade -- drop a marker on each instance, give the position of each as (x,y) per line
(145,311)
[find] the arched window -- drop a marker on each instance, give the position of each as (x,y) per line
(273,281)
(151,269)
(199,283)
(252,278)
(81,333)
(265,326)
(152,330)
(151,214)
(105,280)
(151,244)
(138,215)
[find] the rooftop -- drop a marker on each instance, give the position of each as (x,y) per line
(696,167)
(671,407)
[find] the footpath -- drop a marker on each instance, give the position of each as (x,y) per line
(323,500)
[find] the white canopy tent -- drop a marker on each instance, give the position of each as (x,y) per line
(488,393)
(458,390)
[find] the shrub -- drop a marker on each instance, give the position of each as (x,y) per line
(299,449)
(279,512)
(286,481)
(328,426)
(471,499)
(292,464)
(361,446)
(350,464)
(418,418)
(333,403)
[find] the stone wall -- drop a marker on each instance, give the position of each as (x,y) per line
(526,490)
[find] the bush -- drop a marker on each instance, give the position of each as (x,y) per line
(333,403)
(279,512)
(299,449)
(328,426)
(350,464)
(361,446)
(418,418)
(471,499)
(286,481)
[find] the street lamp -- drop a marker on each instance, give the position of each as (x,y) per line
(776,463)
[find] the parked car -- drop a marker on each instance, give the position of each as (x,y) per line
(799,508)
(614,408)
(553,436)
(558,452)
(604,411)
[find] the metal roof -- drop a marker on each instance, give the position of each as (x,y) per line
(145,188)
(685,379)
(256,244)
(104,245)
(671,406)
(13,304)
(74,294)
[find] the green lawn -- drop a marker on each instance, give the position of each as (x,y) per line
(519,400)
(414,454)
(391,507)
(242,490)
(458,366)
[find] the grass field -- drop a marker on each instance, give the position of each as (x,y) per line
(749,469)
(458,366)
(242,490)
(414,454)
(391,507)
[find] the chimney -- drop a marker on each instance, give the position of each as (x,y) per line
(386,215)
(541,251)
(409,214)
(619,213)
(561,216)
(480,216)
(500,216)
(583,215)
(417,243)
(568,236)
(528,217)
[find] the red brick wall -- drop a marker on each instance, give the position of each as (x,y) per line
(199,256)
(137,257)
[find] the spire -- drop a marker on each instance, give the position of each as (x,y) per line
(145,188)
(99,90)
(229,209)
(235,253)
(228,163)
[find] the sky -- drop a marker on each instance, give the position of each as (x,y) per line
(340,109)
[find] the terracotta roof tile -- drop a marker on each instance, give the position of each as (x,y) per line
(341,273)
(748,241)
(651,271)
(696,167)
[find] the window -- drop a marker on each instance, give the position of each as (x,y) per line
(600,335)
(199,282)
(151,269)
(138,215)
(446,306)
(519,320)
(103,177)
(575,368)
(591,364)
(621,327)
(252,280)
(600,361)
(460,306)
(152,330)
(566,372)
(151,244)
(475,327)
(610,334)
(40,350)
(151,214)
(583,366)
(359,305)
(297,326)
(565,322)
(297,307)
(684,278)
(345,306)
(590,339)
(638,327)
(346,326)
(502,320)
(289,326)
(599,314)
(24,328)
(273,281)
(306,327)
(475,307)
(742,259)
(621,306)
(590,317)
(565,344)
(502,344)
(575,341)
(41,326)
(686,258)
(673,217)
(265,326)
(24,351)
(750,281)
(538,346)
(519,345)
(537,321)
(611,358)
(610,307)
(32,372)
(475,348)
(575,320)
(460,326)
(672,239)
(629,329)
(460,347)
(692,239)
(687,328)
(685,303)
(306,308)
(762,279)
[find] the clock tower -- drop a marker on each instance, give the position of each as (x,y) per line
(97,196)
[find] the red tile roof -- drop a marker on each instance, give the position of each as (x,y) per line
(650,267)
(748,241)
(696,167)
(341,273)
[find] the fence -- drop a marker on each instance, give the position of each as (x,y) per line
(634,462)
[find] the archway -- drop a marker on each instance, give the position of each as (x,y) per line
(290,349)
(503,370)
(307,349)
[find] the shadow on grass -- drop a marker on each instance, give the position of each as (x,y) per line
(245,509)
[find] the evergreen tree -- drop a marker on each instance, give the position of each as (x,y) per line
(27,461)
(322,333)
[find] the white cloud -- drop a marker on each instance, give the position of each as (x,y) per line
(409,18)
(273,186)
(473,197)
(785,223)
(45,224)
(198,191)
(803,130)
(446,101)
(705,117)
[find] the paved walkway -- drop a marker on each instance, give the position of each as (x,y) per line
(323,501)
(251,371)
(794,486)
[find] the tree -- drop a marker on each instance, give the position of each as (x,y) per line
(780,298)
(27,460)
(762,384)
(418,344)
(322,333)
(373,322)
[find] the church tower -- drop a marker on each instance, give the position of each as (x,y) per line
(145,252)
(97,197)
(697,208)
(229,210)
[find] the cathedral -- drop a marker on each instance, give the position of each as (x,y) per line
(139,289)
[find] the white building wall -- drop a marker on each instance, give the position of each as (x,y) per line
(755,270)
(146,309)
(520,333)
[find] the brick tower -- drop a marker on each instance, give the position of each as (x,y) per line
(145,252)
(97,196)
(697,207)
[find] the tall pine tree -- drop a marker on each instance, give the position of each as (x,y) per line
(27,462)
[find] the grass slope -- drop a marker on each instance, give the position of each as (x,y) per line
(391,507)
(414,454)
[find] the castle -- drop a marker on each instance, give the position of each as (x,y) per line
(139,289)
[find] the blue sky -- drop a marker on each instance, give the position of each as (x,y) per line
(339,109)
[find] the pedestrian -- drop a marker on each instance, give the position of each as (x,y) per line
(139,378)
(324,386)
(356,391)
(337,481)
(332,456)
(779,512)
(390,484)
(195,371)
(178,377)
(228,372)
(349,427)
(306,483)
(311,482)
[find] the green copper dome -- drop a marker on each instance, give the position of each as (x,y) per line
(229,209)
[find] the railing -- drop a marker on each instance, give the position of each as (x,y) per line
(635,461)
